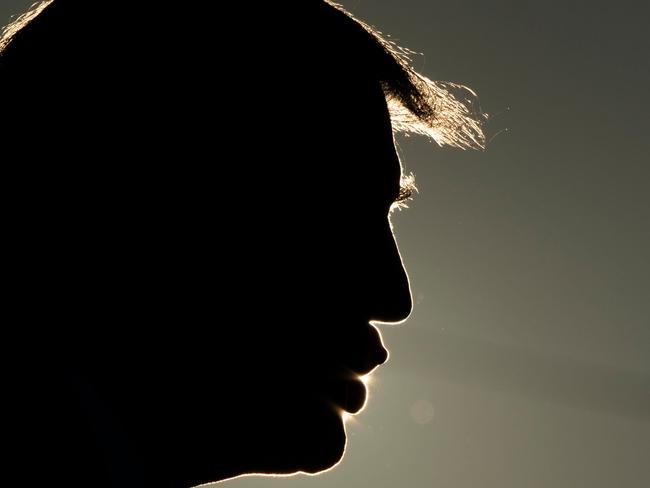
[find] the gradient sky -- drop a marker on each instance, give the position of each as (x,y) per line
(526,362)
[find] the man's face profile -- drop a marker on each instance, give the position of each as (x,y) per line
(250,323)
(216,238)
(223,337)
(267,323)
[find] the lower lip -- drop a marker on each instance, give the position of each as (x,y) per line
(350,395)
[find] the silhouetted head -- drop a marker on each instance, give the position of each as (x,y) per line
(204,225)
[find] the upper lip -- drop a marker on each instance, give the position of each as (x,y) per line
(368,352)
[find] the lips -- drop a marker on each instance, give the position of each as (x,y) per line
(364,354)
(348,394)
(365,350)
(341,364)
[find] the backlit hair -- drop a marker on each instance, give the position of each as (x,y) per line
(446,112)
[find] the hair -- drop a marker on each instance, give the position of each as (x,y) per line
(446,112)
(9,31)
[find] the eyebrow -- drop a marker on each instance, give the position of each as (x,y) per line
(406,189)
(407,186)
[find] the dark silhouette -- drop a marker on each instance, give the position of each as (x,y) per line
(199,229)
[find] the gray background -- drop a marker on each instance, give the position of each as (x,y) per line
(526,362)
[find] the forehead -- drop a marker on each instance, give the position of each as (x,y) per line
(357,137)
(320,123)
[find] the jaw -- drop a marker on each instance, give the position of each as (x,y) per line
(300,441)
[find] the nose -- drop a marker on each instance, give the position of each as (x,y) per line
(391,301)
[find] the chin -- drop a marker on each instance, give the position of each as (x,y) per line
(307,439)
(313,444)
(326,449)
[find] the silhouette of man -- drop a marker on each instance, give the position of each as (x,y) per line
(200,230)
